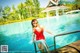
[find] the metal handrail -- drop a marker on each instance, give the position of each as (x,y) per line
(67,33)
(62,35)
(35,47)
(55,40)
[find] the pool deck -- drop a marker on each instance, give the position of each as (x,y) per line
(71,48)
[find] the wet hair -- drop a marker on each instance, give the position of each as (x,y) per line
(33,21)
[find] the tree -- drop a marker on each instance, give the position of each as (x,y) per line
(29,7)
(6,12)
(1,11)
(20,9)
(37,7)
(0,8)
(77,4)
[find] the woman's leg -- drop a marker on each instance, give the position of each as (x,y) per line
(40,46)
(45,45)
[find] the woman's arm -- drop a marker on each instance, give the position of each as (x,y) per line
(47,30)
(33,36)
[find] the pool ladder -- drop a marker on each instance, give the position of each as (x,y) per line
(54,39)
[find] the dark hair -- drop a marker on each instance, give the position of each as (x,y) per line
(33,21)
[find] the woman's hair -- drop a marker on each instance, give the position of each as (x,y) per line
(33,21)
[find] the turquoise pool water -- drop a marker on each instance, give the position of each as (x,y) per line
(18,36)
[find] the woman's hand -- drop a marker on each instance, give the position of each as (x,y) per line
(33,37)
(47,30)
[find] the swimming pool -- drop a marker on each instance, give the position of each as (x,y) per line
(18,36)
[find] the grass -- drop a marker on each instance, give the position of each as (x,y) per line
(13,21)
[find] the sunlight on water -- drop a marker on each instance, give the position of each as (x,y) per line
(20,34)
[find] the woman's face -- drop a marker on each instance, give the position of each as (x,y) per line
(35,23)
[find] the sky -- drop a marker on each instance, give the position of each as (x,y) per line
(4,3)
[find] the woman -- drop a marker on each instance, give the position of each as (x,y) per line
(38,35)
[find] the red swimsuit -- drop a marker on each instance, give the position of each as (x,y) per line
(39,35)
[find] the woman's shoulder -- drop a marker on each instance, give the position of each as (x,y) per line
(42,26)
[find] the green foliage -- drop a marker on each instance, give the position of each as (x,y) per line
(77,4)
(30,9)
(26,10)
(6,10)
(37,7)
(1,9)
